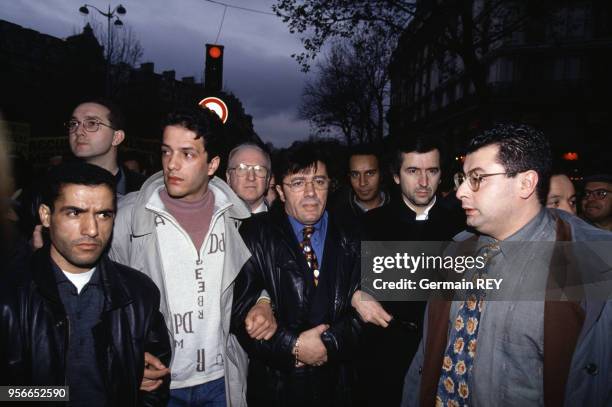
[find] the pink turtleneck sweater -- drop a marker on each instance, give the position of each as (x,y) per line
(194,217)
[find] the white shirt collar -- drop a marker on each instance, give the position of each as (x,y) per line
(425,214)
(261,208)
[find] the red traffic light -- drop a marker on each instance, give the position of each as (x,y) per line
(570,156)
(214,52)
(213,68)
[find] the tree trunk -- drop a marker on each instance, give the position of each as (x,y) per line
(473,67)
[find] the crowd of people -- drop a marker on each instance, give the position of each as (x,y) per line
(184,289)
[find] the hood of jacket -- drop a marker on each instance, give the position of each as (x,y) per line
(141,222)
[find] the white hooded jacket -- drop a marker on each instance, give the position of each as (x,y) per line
(135,244)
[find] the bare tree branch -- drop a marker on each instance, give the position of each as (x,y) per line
(350,90)
(467,29)
(125,52)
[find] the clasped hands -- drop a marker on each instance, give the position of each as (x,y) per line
(309,348)
(261,325)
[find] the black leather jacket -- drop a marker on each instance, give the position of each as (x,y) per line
(34,331)
(278,265)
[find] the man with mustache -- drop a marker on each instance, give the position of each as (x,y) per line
(76,318)
(181,229)
(309,265)
(597,201)
(519,345)
(392,335)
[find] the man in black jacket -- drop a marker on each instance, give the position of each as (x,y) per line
(309,266)
(74,318)
(390,340)
(366,191)
(420,214)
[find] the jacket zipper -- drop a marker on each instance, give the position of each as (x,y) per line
(213,220)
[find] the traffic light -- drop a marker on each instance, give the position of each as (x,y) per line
(213,72)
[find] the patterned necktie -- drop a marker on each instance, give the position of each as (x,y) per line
(453,387)
(309,254)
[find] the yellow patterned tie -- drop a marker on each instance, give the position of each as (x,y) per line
(309,254)
(453,386)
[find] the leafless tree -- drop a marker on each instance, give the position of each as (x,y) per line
(125,47)
(465,29)
(125,52)
(349,94)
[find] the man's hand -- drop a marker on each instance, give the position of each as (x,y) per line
(260,322)
(311,350)
(154,371)
(369,309)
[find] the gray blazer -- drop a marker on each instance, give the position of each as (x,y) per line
(590,374)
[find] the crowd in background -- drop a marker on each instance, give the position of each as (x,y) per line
(269,308)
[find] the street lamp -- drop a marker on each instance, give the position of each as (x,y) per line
(114,13)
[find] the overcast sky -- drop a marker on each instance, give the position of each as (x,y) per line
(257,63)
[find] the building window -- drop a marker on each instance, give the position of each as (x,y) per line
(501,70)
(567,68)
(571,22)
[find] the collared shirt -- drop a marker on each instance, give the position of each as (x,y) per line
(425,214)
(509,362)
(83,311)
(261,208)
(120,182)
(383,200)
(318,237)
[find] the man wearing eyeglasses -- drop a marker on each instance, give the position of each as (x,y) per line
(95,131)
(515,346)
(309,265)
(248,174)
(597,201)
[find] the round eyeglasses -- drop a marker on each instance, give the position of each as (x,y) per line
(243,169)
(474,179)
(299,184)
(596,194)
(90,125)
